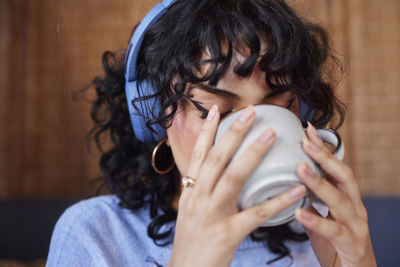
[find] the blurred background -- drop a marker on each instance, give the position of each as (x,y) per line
(50,49)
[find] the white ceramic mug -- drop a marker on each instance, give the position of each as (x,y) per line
(277,171)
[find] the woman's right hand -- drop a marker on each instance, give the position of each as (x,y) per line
(209,226)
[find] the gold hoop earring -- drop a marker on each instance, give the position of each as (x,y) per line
(153,159)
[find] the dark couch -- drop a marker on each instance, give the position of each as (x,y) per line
(26,227)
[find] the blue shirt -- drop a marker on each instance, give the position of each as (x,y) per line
(97,232)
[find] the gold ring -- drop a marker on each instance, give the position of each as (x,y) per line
(188,181)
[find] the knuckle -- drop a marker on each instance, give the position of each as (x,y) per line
(325,156)
(342,202)
(257,150)
(198,155)
(319,182)
(207,127)
(233,178)
(215,157)
(237,128)
(363,213)
(337,231)
(363,229)
(262,214)
(349,177)
(268,209)
(348,172)
(283,199)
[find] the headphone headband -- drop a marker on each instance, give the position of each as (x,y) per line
(137,38)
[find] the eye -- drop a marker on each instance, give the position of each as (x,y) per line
(204,111)
(204,114)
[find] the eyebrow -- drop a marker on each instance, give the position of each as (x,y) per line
(217,91)
(226,93)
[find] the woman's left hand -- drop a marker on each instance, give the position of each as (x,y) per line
(342,238)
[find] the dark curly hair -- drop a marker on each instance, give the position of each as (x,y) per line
(295,60)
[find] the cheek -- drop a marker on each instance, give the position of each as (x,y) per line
(296,107)
(182,136)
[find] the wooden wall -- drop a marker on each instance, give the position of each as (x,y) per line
(49,49)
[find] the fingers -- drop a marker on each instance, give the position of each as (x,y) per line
(333,167)
(249,219)
(203,144)
(313,135)
(341,208)
(220,154)
(204,141)
(330,230)
(231,183)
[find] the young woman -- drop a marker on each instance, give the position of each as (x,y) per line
(189,64)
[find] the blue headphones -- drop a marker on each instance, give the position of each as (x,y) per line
(149,109)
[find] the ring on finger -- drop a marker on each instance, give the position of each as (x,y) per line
(188,181)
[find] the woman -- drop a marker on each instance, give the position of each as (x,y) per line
(189,64)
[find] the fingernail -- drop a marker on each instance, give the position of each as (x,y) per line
(308,171)
(313,130)
(297,192)
(310,145)
(212,113)
(246,114)
(266,136)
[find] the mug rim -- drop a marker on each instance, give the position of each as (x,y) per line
(256,105)
(280,107)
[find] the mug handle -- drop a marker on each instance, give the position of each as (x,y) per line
(332,137)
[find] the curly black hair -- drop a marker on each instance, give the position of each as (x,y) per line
(171,58)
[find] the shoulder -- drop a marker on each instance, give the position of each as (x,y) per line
(97,229)
(99,215)
(99,206)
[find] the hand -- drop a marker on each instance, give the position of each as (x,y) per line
(209,227)
(341,239)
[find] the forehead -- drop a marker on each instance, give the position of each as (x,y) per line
(239,53)
(240,49)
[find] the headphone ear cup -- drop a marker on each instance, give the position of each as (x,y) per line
(141,111)
(306,113)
